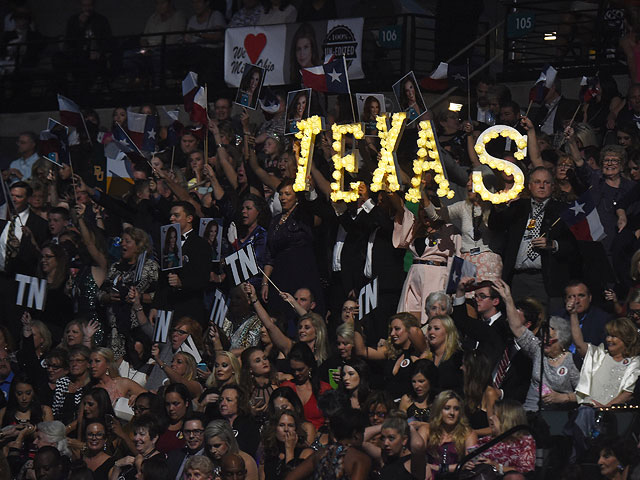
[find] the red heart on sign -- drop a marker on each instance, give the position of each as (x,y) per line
(254,44)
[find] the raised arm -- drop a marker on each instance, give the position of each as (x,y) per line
(369,353)
(418,452)
(279,339)
(89,239)
(467,126)
(576,331)
(532,142)
(223,156)
(516,325)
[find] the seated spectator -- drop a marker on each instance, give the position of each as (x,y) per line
(234,408)
(95,456)
(249,15)
(278,11)
(220,441)
(205,19)
(517,453)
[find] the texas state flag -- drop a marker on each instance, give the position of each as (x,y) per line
(583,220)
(142,130)
(459,268)
(189,89)
(126,145)
(331,77)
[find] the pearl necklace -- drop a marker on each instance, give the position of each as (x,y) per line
(553,359)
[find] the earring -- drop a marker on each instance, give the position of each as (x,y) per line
(107,373)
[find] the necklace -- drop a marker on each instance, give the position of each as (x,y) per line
(553,359)
(285,216)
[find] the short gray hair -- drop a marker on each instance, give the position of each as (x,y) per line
(563,330)
(56,433)
(617,150)
(439,297)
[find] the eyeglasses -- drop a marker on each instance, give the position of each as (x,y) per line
(634,313)
(195,432)
(179,331)
(611,161)
(95,435)
(481,296)
(349,309)
(378,414)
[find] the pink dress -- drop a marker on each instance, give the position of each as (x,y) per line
(519,454)
(423,278)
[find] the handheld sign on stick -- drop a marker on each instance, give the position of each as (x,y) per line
(37,291)
(243,264)
(219,309)
(368,298)
(161,331)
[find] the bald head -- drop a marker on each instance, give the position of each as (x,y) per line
(232,463)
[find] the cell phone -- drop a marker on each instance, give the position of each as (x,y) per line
(332,382)
(203,366)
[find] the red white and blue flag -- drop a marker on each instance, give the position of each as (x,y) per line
(583,220)
(71,116)
(331,77)
(54,143)
(142,130)
(195,99)
(174,131)
(446,76)
(545,81)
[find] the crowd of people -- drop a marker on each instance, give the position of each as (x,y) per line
(294,381)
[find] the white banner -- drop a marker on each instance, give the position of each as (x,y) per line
(263,46)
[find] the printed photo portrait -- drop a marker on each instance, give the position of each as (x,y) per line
(211,231)
(409,97)
(171,246)
(304,51)
(298,107)
(250,86)
(370,105)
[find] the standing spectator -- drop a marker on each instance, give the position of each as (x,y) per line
(20,169)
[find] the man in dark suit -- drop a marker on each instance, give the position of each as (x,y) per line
(490,333)
(539,248)
(21,236)
(555,111)
(182,292)
(193,431)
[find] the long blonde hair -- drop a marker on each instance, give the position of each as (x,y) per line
(321,349)
(408,321)
(452,343)
(436,425)
(190,362)
(235,366)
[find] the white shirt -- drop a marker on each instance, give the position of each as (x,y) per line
(24,165)
(23,217)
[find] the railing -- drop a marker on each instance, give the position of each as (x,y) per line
(110,81)
(578,40)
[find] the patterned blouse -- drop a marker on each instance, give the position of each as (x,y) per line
(519,454)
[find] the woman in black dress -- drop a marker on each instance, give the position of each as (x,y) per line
(95,455)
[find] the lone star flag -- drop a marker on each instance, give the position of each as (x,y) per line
(142,130)
(459,268)
(195,99)
(445,76)
(583,220)
(126,145)
(54,142)
(71,116)
(189,89)
(330,77)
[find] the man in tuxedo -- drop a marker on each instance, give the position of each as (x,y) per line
(193,431)
(20,239)
(182,292)
(539,248)
(492,335)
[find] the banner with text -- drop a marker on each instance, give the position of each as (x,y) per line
(307,45)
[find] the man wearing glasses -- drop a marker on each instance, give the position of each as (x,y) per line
(193,431)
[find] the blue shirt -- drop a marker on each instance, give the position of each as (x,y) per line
(6,384)
(24,165)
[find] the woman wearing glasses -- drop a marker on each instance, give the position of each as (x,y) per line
(95,455)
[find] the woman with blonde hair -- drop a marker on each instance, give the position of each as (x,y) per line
(105,374)
(448,435)
(445,352)
(183,370)
(517,452)
(405,345)
(312,329)
(226,370)
(220,440)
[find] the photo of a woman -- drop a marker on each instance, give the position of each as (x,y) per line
(250,85)
(409,97)
(171,249)
(304,52)
(210,229)
(298,103)
(369,106)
